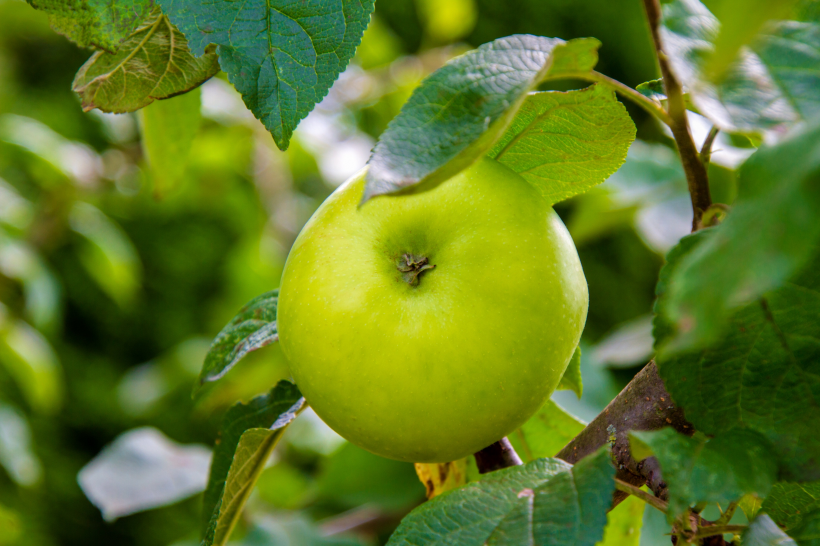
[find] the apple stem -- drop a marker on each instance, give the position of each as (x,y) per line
(496,456)
(412,266)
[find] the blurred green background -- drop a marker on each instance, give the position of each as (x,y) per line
(114,278)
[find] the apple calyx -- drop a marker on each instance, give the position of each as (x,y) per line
(412,267)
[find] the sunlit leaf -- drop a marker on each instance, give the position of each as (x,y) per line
(773,84)
(456,114)
(168,131)
(623,524)
(142,469)
(108,254)
(95,23)
(31,361)
(566,143)
(16,452)
(571,380)
(252,328)
(719,470)
(152,63)
(281,56)
(546,432)
(236,464)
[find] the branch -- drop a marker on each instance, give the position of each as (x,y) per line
(497,456)
(696,177)
(651,500)
(706,149)
(643,405)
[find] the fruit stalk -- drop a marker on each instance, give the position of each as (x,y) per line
(496,456)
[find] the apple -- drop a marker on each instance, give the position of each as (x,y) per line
(424,327)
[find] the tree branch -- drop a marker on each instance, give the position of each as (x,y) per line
(635,491)
(643,405)
(497,456)
(696,177)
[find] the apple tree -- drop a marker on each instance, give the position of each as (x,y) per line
(725,412)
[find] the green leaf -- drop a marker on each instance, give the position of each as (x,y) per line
(623,524)
(762,374)
(763,532)
(268,416)
(251,329)
(543,502)
(788,503)
(652,89)
(107,254)
(566,143)
(282,56)
(458,112)
(769,234)
(168,131)
(32,363)
(773,84)
(95,23)
(571,380)
(546,432)
(808,532)
(152,63)
(719,470)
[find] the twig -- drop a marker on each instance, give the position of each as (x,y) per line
(712,530)
(726,516)
(497,456)
(651,500)
(644,102)
(706,149)
(696,177)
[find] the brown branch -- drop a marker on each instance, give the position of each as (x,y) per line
(497,456)
(643,405)
(706,149)
(696,177)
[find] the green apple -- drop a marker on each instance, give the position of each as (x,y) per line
(424,327)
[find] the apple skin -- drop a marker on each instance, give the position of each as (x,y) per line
(437,371)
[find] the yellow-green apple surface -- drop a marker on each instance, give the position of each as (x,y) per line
(424,327)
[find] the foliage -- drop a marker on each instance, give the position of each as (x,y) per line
(125,245)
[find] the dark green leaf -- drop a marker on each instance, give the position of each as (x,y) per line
(457,113)
(281,56)
(152,63)
(267,415)
(652,89)
(808,532)
(571,380)
(788,503)
(543,502)
(252,328)
(95,23)
(566,143)
(762,374)
(546,432)
(763,532)
(769,234)
(168,130)
(773,84)
(698,469)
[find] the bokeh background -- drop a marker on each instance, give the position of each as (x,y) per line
(114,277)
